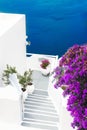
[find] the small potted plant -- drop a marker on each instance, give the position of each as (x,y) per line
(7,73)
(26,81)
(45,69)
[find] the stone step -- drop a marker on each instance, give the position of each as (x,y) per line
(40,92)
(40,108)
(38,100)
(39,121)
(40,125)
(41,117)
(39,104)
(40,112)
(38,95)
(42,98)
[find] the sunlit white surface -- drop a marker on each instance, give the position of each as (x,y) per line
(10,105)
(7,126)
(7,21)
(9,92)
(12,42)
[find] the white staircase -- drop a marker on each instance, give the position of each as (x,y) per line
(39,111)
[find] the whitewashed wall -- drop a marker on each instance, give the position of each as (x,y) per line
(60,105)
(12,42)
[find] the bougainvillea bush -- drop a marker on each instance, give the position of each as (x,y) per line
(72,72)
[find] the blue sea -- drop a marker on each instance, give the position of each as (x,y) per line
(52,25)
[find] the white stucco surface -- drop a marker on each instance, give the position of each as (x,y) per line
(12,42)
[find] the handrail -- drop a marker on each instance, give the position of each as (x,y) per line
(53,56)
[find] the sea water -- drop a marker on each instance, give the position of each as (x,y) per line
(52,25)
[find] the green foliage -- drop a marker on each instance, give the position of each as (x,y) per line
(26,78)
(7,71)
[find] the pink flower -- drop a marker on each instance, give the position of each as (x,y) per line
(44,63)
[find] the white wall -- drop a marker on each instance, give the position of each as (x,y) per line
(65,119)
(60,105)
(12,42)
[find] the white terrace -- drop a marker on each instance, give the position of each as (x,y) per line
(44,108)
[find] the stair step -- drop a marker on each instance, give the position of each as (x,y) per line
(39,96)
(48,109)
(39,125)
(40,112)
(28,120)
(39,103)
(41,117)
(38,100)
(40,92)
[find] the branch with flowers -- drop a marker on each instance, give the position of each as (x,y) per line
(72,72)
(44,63)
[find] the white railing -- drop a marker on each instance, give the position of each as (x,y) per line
(52,56)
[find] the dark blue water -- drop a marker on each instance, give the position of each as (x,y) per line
(52,25)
